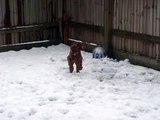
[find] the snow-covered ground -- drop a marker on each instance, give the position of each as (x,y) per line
(36,85)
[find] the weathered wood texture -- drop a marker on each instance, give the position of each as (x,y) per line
(87,20)
(141,17)
(29,15)
(135,16)
(133,26)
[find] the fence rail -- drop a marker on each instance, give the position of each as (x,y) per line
(27,28)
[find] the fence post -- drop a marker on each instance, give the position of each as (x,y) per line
(108,23)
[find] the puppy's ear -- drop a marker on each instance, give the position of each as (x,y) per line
(72,44)
(82,46)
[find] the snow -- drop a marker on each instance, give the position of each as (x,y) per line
(36,85)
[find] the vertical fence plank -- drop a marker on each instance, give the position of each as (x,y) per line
(115,15)
(150,26)
(7,22)
(129,23)
(138,26)
(16,20)
(1,21)
(154,17)
(132,25)
(145,16)
(158,30)
(141,24)
(154,7)
(123,23)
(102,5)
(118,23)
(126,24)
(158,18)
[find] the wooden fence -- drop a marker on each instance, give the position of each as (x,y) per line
(136,30)
(25,21)
(127,28)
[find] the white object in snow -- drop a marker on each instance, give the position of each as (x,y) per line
(98,53)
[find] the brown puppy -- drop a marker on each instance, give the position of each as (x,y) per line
(75,57)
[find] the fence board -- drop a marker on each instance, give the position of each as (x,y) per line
(2,9)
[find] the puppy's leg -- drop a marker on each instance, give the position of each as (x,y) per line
(80,64)
(77,67)
(70,64)
(71,68)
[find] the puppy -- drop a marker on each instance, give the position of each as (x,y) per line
(75,56)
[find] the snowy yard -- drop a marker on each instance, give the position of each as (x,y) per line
(36,85)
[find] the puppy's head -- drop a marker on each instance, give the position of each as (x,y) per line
(75,47)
